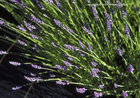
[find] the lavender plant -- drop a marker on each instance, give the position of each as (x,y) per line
(95,47)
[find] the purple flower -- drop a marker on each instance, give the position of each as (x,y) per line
(127,30)
(119,51)
(36,47)
(118,4)
(69,47)
(94,72)
(22,42)
(86,25)
(39,5)
(87,30)
(34,19)
(32,79)
(89,47)
(60,67)
(15,63)
(135,8)
(107,16)
(76,67)
(105,39)
(58,4)
(124,94)
(70,58)
(21,5)
(36,66)
(33,36)
(70,30)
(82,54)
(124,13)
(73,1)
(16,88)
(15,1)
(80,90)
(97,94)
(115,85)
(93,63)
(101,86)
(1,22)
(130,68)
(32,74)
(28,26)
(108,23)
(62,82)
(57,22)
(54,44)
(20,28)
(82,45)
(67,63)
(52,75)
(49,1)
(2,52)
(94,13)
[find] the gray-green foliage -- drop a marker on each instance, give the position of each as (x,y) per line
(73,16)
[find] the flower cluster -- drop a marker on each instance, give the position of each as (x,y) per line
(80,90)
(15,63)
(32,79)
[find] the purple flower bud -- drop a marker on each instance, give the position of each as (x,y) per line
(87,30)
(70,30)
(115,85)
(94,72)
(52,75)
(73,1)
(1,22)
(76,67)
(107,16)
(105,39)
(2,52)
(61,82)
(57,23)
(15,1)
(28,26)
(58,4)
(22,6)
(49,1)
(97,94)
(39,5)
(124,94)
(95,13)
(127,30)
(89,47)
(101,86)
(69,47)
(119,51)
(15,63)
(33,36)
(36,66)
(70,58)
(22,42)
(59,67)
(45,15)
(108,23)
(82,45)
(93,63)
(54,44)
(32,74)
(130,68)
(67,63)
(80,90)
(135,8)
(32,79)
(20,28)
(124,13)
(118,4)
(36,47)
(16,88)
(82,54)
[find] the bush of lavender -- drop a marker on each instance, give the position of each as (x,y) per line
(92,43)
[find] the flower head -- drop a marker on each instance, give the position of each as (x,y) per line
(93,63)
(115,85)
(119,51)
(124,94)
(15,63)
(58,4)
(97,94)
(89,47)
(127,30)
(101,86)
(118,4)
(130,68)
(16,88)
(108,23)
(94,72)
(80,90)
(95,13)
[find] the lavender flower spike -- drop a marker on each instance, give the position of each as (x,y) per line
(124,94)
(94,72)
(127,30)
(54,44)
(80,90)
(89,47)
(16,88)
(135,8)
(118,4)
(101,86)
(67,63)
(115,85)
(22,42)
(15,63)
(57,22)
(93,63)
(82,45)
(58,4)
(130,68)
(107,16)
(119,51)
(97,94)
(20,28)
(108,23)
(94,13)
(36,66)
